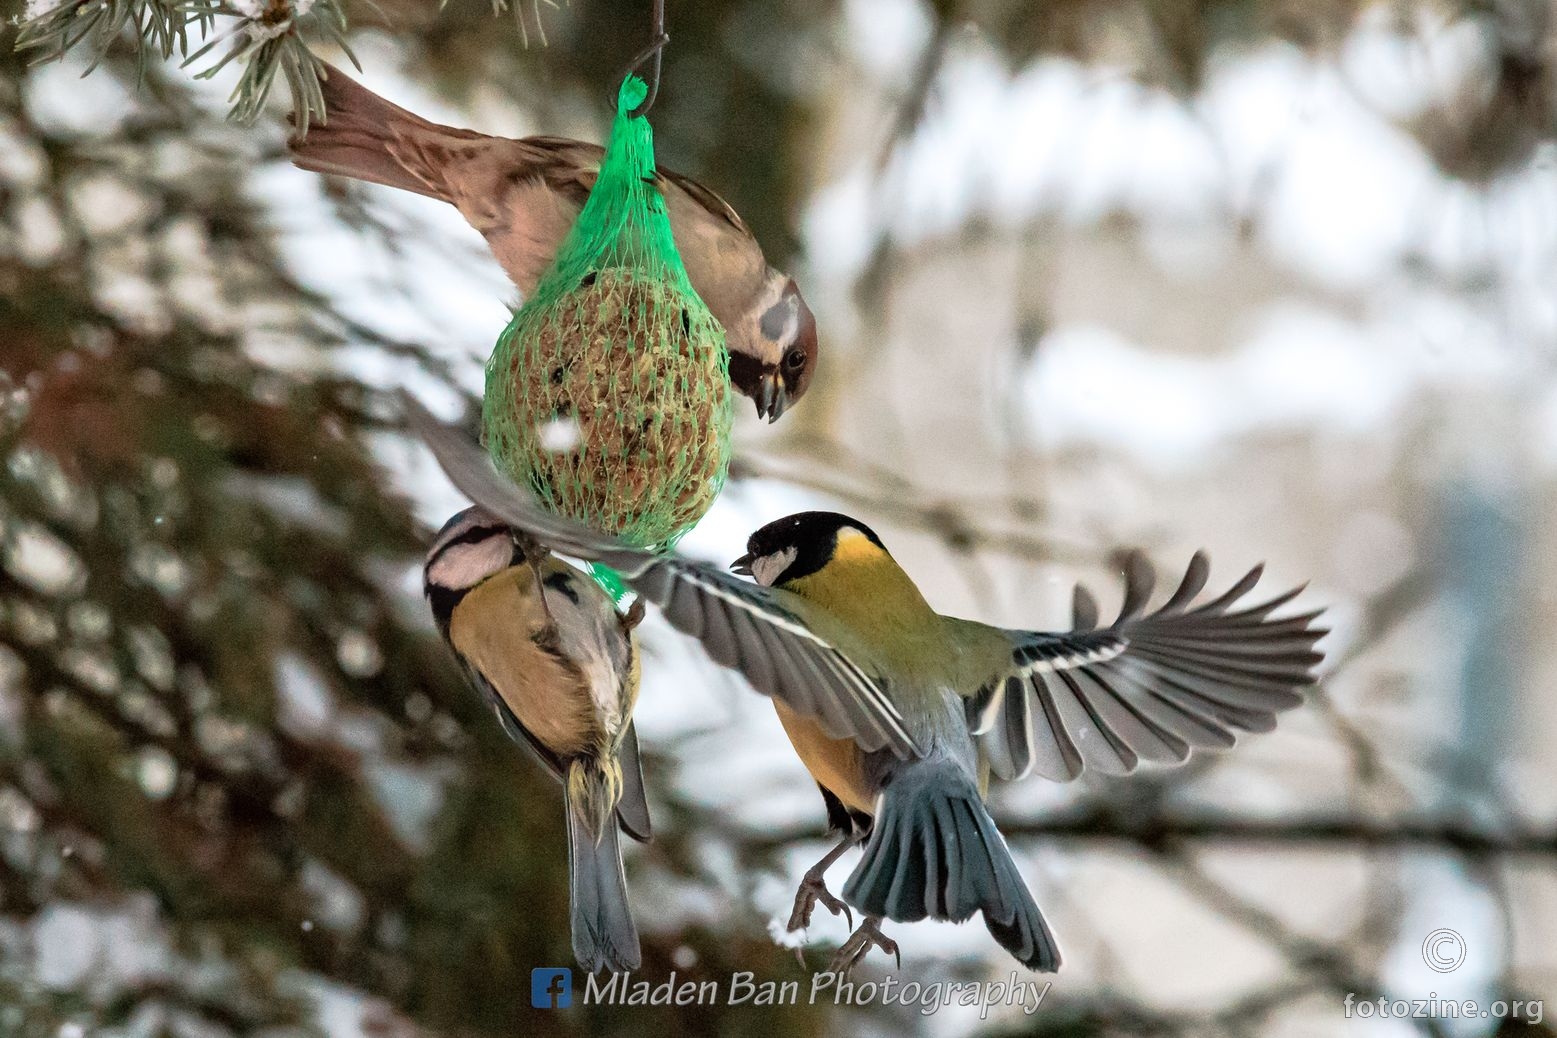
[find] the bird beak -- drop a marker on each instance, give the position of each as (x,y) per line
(742,565)
(771,397)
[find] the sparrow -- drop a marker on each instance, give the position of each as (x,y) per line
(523,197)
(546,647)
(910,706)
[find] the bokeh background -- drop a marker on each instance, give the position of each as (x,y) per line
(1273,278)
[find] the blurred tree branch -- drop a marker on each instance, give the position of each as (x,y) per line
(1166,833)
(202,488)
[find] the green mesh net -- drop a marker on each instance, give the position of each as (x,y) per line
(609,392)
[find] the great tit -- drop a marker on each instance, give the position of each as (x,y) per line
(1166,692)
(523,196)
(546,647)
(835,631)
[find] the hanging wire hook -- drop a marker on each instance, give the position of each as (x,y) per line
(653,50)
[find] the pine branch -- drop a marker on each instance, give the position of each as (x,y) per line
(269,38)
(519,9)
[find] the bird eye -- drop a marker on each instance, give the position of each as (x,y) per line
(795,359)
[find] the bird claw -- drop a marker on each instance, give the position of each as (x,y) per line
(813,889)
(859,944)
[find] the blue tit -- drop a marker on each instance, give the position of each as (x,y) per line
(547,649)
(907,708)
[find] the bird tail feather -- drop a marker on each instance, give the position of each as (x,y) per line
(935,852)
(604,935)
(632,810)
(368,138)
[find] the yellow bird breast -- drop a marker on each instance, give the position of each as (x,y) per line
(836,764)
(495,628)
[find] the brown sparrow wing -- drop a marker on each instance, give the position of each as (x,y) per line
(368,138)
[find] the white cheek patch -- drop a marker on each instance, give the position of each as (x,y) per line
(769,568)
(466,565)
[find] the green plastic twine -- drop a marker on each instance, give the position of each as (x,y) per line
(615,340)
(624,213)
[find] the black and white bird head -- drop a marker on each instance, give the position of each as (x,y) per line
(802,544)
(472,547)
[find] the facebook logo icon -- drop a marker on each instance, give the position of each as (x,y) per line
(551,988)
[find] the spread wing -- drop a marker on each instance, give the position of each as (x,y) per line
(759,631)
(1146,687)
(762,633)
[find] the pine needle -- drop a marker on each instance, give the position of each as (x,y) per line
(270,39)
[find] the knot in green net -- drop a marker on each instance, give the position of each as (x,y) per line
(609,392)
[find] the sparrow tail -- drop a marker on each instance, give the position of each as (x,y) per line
(604,935)
(368,138)
(935,852)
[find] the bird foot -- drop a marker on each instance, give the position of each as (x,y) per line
(859,944)
(813,890)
